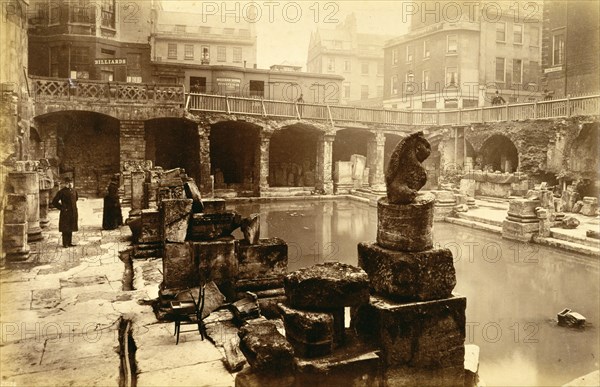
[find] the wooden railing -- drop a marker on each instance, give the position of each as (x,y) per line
(561,108)
(54,89)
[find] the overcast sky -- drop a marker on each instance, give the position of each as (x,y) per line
(284,27)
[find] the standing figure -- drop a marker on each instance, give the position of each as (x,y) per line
(111,214)
(66,201)
(498,100)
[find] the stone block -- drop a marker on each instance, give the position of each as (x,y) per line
(444,196)
(204,227)
(217,262)
(150,231)
(180,268)
(266,349)
(15,211)
(175,215)
(404,276)
(467,187)
(307,327)
(137,191)
(342,173)
(193,192)
(519,231)
(14,241)
(406,227)
(590,206)
(250,227)
(258,284)
(213,205)
(267,259)
(356,364)
(523,208)
(569,197)
(425,335)
(577,207)
(326,286)
(569,222)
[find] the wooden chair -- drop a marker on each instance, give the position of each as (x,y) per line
(186,311)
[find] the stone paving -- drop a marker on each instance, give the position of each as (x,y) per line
(60,316)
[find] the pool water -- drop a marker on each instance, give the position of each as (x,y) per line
(513,290)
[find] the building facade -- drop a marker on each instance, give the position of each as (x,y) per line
(458,56)
(106,40)
(570,47)
(198,39)
(358,57)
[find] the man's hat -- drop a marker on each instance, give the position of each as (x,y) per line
(67,180)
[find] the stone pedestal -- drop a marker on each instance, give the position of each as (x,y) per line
(137,191)
(27,183)
(310,333)
(174,219)
(406,227)
(399,275)
(266,349)
(521,222)
(217,262)
(444,203)
(424,336)
(590,206)
(180,268)
(150,231)
(342,177)
(44,204)
(14,236)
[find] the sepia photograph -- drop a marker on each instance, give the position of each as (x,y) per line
(299,193)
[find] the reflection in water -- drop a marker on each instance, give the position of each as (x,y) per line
(513,290)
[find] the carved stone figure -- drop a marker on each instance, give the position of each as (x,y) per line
(405,174)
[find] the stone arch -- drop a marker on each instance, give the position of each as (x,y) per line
(85,144)
(349,141)
(173,143)
(499,153)
(293,156)
(235,156)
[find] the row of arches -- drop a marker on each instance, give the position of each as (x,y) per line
(88,145)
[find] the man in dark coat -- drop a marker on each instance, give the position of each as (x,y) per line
(111,214)
(66,201)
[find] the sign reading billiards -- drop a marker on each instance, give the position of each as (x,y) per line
(110,61)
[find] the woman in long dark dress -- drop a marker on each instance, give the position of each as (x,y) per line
(111,215)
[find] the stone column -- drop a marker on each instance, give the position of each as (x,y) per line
(375,162)
(132,141)
(324,164)
(137,192)
(14,235)
(205,184)
(26,182)
(265,144)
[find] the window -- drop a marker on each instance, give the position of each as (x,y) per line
(452,44)
(558,48)
(221,54)
(347,66)
(425,79)
(395,56)
(535,36)
(346,90)
(257,88)
(81,12)
(409,77)
(205,54)
(394,85)
(410,51)
(500,63)
(134,67)
(237,55)
(451,76)
(54,61)
(409,86)
(379,68)
(189,51)
(172,51)
(500,32)
(517,33)
(80,55)
(106,75)
(517,71)
(54,17)
(331,65)
(364,91)
(380,91)
(180,28)
(107,15)
(426,52)
(364,68)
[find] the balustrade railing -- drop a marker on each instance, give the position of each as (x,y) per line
(104,91)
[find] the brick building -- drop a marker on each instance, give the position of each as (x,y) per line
(458,55)
(571,47)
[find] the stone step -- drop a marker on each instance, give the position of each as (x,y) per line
(566,245)
(497,203)
(475,224)
(564,236)
(474,218)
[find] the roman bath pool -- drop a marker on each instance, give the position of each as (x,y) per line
(514,291)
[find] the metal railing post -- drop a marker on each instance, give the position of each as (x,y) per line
(568,106)
(227,103)
(262,102)
(330,115)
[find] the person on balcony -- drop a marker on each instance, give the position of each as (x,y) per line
(498,100)
(66,201)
